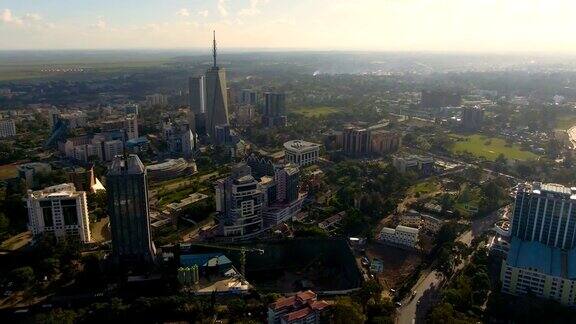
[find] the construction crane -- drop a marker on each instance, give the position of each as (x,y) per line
(242,251)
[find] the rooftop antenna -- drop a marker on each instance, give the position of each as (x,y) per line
(214,48)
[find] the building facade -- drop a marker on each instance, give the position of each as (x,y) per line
(127,188)
(196,94)
(7,128)
(304,307)
(472,118)
(400,236)
(301,153)
(60,212)
(274,112)
(216,97)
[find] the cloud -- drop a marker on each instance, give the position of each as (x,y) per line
(203,13)
(223,8)
(253,9)
(183,12)
(100,24)
(27,20)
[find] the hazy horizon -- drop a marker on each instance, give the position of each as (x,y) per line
(447,26)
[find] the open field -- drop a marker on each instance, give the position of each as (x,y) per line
(8,171)
(316,111)
(424,187)
(565,122)
(489,147)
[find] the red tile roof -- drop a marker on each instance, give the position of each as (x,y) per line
(299,314)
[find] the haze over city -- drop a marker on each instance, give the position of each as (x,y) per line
(390,25)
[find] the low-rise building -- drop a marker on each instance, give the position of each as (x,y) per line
(59,211)
(431,224)
(7,128)
(332,221)
(28,171)
(304,307)
(402,236)
(418,164)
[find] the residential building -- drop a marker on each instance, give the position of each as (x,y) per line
(59,211)
(274,112)
(355,142)
(287,183)
(7,128)
(402,236)
(156,100)
(112,149)
(127,187)
(431,224)
(303,307)
(439,99)
(472,118)
(382,142)
(249,97)
(82,178)
(240,204)
(332,221)
(216,97)
(301,153)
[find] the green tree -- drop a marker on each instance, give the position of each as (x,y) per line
(346,311)
(23,276)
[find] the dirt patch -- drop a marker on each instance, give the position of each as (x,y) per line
(398,263)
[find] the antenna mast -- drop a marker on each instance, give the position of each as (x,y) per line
(214,48)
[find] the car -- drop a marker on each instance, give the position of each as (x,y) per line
(398,304)
(392,290)
(418,302)
(413,294)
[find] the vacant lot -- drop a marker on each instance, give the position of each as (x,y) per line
(398,264)
(489,148)
(316,111)
(8,171)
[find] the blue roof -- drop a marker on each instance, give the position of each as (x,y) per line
(543,258)
(204,260)
(137,141)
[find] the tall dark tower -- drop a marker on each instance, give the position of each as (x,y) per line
(216,97)
(129,212)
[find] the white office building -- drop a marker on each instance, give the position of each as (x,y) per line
(59,211)
(400,236)
(301,153)
(7,128)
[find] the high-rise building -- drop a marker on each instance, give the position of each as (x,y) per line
(131,126)
(356,142)
(472,118)
(287,183)
(216,96)
(249,97)
(196,94)
(240,203)
(59,211)
(542,255)
(127,188)
(382,142)
(156,100)
(439,99)
(274,113)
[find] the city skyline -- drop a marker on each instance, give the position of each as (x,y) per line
(414,25)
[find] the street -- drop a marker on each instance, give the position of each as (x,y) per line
(427,285)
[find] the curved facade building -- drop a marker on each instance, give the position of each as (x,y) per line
(301,153)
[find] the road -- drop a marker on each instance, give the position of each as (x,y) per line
(427,285)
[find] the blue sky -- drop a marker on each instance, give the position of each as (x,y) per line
(437,25)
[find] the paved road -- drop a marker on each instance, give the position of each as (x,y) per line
(411,312)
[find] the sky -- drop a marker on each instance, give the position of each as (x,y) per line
(388,25)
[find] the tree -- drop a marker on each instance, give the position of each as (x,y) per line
(23,276)
(4,226)
(346,311)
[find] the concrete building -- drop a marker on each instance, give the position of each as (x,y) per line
(59,211)
(418,164)
(82,178)
(28,171)
(472,118)
(542,254)
(7,128)
(240,204)
(301,153)
(127,186)
(196,94)
(382,142)
(170,169)
(274,112)
(439,99)
(356,142)
(156,100)
(249,97)
(287,183)
(216,97)
(112,149)
(400,236)
(304,307)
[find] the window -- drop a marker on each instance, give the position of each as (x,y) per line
(46,207)
(69,211)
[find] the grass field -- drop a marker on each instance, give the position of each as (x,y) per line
(316,111)
(424,187)
(565,122)
(8,171)
(489,148)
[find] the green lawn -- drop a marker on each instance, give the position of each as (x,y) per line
(565,122)
(316,111)
(425,187)
(489,147)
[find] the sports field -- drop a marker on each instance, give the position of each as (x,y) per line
(489,147)
(316,111)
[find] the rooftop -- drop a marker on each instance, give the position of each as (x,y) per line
(130,164)
(300,145)
(542,258)
(204,260)
(64,189)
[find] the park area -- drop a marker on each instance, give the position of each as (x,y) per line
(489,148)
(320,111)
